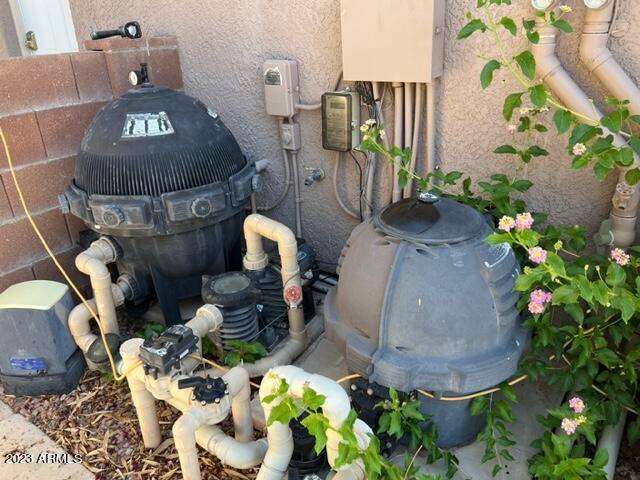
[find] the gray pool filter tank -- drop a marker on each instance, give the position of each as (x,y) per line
(37,354)
(423,302)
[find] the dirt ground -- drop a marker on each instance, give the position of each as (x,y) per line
(97,420)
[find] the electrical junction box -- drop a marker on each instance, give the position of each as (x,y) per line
(281,87)
(290,136)
(340,120)
(408,36)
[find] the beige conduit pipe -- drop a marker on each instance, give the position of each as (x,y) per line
(336,408)
(417,123)
(549,69)
(398,138)
(255,227)
(430,166)
(597,57)
(409,100)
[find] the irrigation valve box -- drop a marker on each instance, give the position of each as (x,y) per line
(340,120)
(281,87)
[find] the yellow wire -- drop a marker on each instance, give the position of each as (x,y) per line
(55,260)
(217,365)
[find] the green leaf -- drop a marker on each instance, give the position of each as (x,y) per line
(479,405)
(527,63)
(509,24)
(540,128)
(601,171)
(538,95)
(471,27)
(505,149)
(562,119)
(522,185)
(536,151)
(311,399)
(563,25)
(616,275)
(580,161)
(632,176)
(283,412)
(512,102)
(576,312)
(317,425)
(626,302)
(508,392)
(582,133)
(633,431)
(614,120)
(565,294)
(601,458)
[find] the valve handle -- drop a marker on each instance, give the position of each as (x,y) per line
(128,30)
(191,382)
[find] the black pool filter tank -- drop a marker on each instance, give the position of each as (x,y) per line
(162,175)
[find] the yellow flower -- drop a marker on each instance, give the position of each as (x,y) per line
(565,8)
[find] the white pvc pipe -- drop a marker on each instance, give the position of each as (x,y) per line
(336,408)
(93,262)
(610,440)
(417,123)
(597,57)
(549,69)
(255,227)
(409,100)
(398,138)
(430,164)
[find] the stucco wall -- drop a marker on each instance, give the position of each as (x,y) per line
(9,46)
(224,43)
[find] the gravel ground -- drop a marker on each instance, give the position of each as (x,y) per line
(97,420)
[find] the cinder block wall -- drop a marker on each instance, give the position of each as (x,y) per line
(46,103)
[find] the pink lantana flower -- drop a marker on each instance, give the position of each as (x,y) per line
(524,221)
(576,404)
(537,254)
(569,426)
(540,296)
(619,256)
(506,223)
(535,307)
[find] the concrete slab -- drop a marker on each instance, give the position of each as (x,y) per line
(33,454)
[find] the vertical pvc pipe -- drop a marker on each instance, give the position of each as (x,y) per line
(409,100)
(398,138)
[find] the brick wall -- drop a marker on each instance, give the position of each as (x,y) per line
(46,103)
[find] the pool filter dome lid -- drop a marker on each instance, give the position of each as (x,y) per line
(152,141)
(430,220)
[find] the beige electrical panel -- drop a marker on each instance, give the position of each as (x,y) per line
(392,40)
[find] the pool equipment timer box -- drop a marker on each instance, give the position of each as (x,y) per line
(340,120)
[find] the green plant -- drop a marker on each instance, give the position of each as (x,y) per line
(287,407)
(563,447)
(149,328)
(242,351)
(402,417)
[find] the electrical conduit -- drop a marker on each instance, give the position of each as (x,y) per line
(398,138)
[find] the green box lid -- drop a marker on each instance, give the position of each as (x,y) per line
(34,294)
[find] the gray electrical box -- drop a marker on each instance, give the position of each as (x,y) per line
(281,87)
(340,120)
